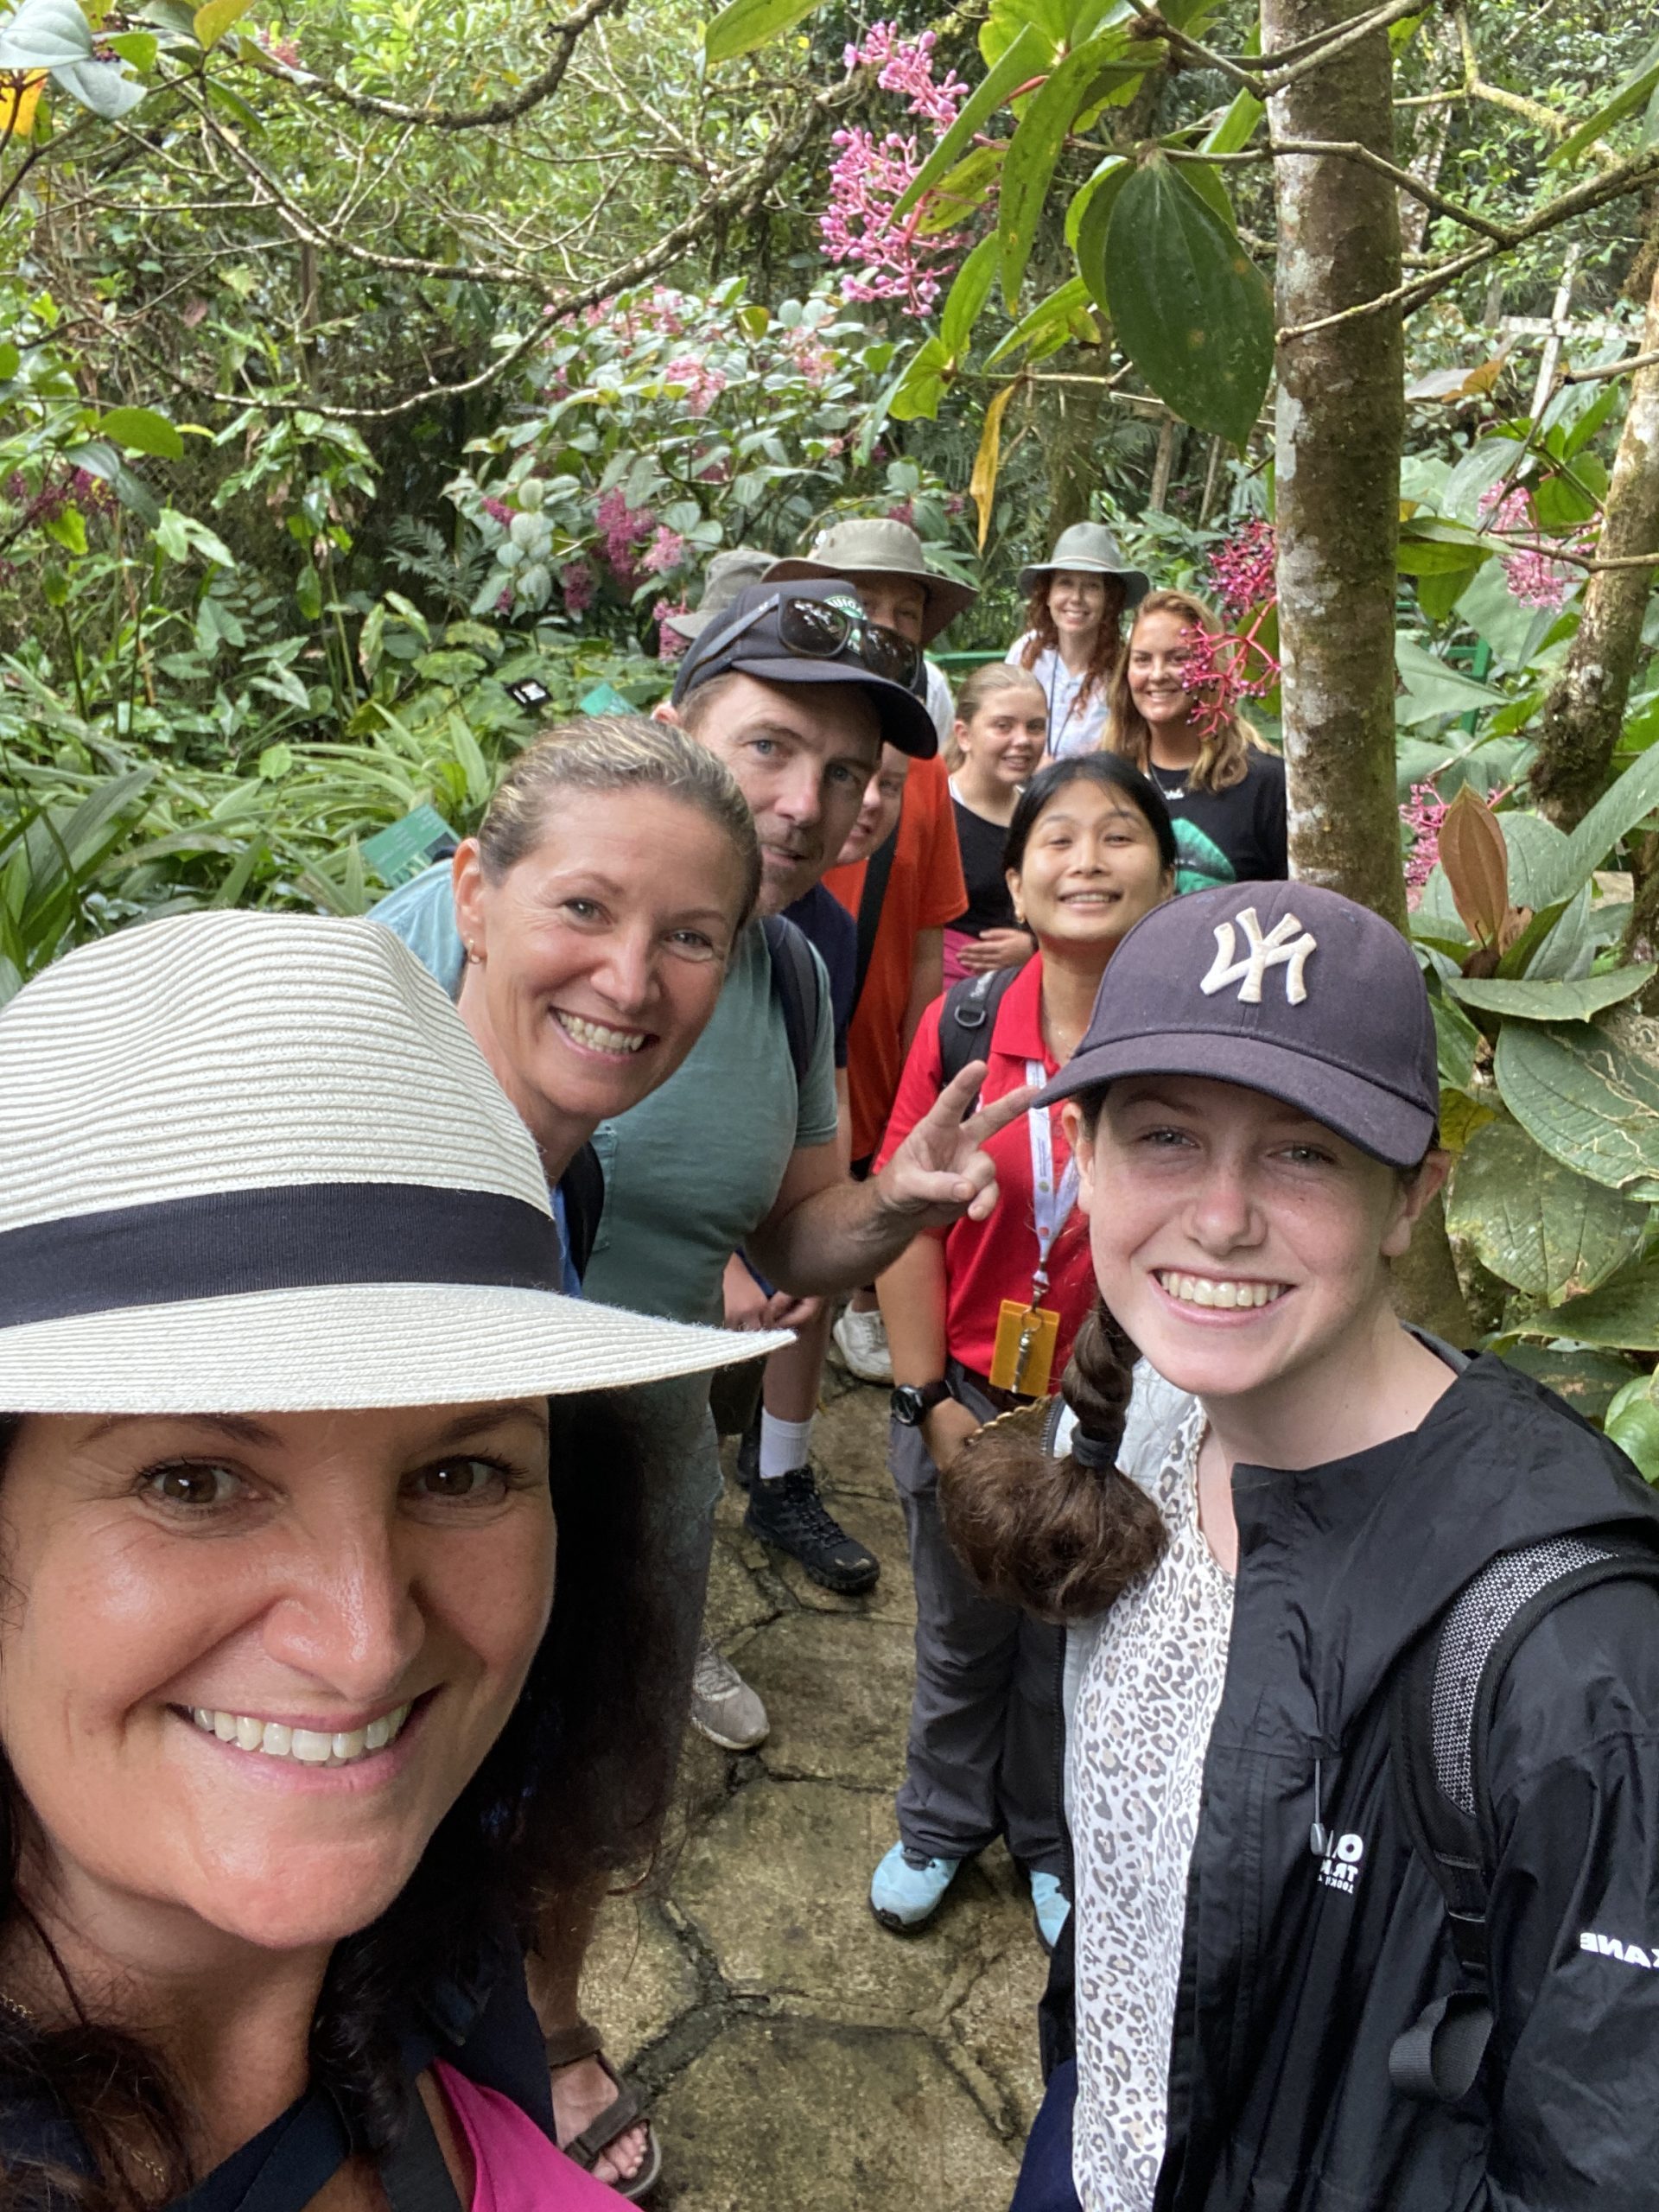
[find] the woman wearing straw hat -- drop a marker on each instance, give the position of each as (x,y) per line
(293,1420)
(1072,640)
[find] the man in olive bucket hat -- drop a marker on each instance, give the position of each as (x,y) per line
(1075,604)
(729,572)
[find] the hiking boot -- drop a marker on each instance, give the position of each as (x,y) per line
(1049,1905)
(861,1342)
(786,1512)
(908,1887)
(723,1706)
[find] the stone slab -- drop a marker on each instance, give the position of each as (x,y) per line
(639,1980)
(789,2114)
(838,1692)
(777,1885)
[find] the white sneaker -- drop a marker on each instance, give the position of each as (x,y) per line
(723,1706)
(861,1340)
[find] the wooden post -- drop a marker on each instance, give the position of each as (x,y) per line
(1163,464)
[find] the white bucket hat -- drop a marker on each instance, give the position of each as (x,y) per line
(255,1163)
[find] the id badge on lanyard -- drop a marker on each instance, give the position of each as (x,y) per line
(1023,1358)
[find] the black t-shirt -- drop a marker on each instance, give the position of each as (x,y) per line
(1237,836)
(990,903)
(830,929)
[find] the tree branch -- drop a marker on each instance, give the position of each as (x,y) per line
(566,36)
(1504,233)
(1615,369)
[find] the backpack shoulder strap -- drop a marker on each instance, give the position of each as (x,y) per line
(583,1188)
(967,1017)
(798,987)
(1444,1698)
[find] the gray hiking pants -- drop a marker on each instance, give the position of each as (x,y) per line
(984,1752)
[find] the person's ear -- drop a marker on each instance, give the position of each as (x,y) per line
(1415,1197)
(666,711)
(466,888)
(1011,877)
(1082,1151)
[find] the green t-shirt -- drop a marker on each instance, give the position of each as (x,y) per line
(692,1171)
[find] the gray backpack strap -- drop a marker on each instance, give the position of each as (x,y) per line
(967,1019)
(1443,1702)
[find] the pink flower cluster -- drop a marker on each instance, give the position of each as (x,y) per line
(1533,578)
(703,384)
(1242,571)
(866,181)
(1223,667)
(1422,814)
(498,510)
(665,553)
(906,66)
(79,489)
(670,646)
(622,530)
(577,582)
(893,262)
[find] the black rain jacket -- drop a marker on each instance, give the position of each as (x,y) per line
(1297,1974)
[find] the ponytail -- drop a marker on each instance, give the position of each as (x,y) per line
(1059,1539)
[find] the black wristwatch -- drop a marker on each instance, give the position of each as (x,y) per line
(912,1402)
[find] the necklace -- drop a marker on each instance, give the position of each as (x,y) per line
(21,2012)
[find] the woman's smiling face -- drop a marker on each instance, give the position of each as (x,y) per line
(1090,868)
(601,953)
(247,1666)
(1236,1241)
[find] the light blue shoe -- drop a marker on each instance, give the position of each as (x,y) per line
(906,1889)
(1051,1904)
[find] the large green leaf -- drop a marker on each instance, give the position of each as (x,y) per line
(1632,1423)
(1190,308)
(1633,94)
(1532,1001)
(103,86)
(140,430)
(1616,812)
(1549,1232)
(1589,1381)
(1624,1312)
(1029,169)
(967,296)
(1047,327)
(45,34)
(1029,54)
(1434,690)
(1092,210)
(1588,1100)
(748,23)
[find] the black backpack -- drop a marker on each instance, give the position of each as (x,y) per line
(1442,1703)
(967,1019)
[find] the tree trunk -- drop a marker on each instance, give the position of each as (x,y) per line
(1585,710)
(1339,428)
(1340,423)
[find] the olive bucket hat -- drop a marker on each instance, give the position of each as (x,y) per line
(878,547)
(726,575)
(1090,548)
(255,1163)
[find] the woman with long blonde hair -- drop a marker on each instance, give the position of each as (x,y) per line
(1225,790)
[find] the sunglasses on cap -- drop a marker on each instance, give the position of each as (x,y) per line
(816,631)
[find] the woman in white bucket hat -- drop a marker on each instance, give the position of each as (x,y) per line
(1072,641)
(293,1420)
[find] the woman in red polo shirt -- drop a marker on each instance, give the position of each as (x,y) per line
(981,1315)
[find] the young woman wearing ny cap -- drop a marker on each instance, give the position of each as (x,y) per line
(1270,2001)
(296,1715)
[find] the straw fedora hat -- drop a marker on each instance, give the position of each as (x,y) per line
(1090,547)
(255,1163)
(877,547)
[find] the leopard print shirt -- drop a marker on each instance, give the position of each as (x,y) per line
(1146,1705)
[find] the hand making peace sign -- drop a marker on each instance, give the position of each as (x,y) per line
(941,1171)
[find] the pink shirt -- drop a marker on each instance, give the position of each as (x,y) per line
(517,2169)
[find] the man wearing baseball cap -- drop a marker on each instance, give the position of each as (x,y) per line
(1363,1645)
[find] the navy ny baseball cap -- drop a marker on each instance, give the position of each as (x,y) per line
(1284,988)
(812,633)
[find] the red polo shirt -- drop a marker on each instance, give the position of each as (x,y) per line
(985,1261)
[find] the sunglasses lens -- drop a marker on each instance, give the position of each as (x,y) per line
(886,653)
(808,627)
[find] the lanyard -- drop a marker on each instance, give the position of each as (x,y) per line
(1051,1203)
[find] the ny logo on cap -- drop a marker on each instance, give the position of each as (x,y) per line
(1280,948)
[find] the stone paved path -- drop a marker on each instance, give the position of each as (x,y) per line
(797,2053)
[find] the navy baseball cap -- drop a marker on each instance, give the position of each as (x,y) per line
(817,633)
(1285,988)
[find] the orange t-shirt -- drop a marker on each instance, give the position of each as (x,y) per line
(924,891)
